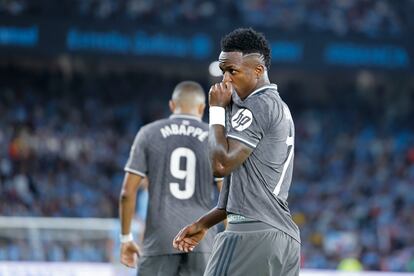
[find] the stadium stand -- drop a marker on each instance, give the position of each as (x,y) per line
(373,18)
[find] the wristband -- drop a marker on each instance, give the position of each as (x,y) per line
(217,115)
(126,238)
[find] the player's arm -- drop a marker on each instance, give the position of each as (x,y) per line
(191,235)
(211,218)
(219,183)
(226,154)
(127,201)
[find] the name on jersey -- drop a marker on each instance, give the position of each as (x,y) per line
(185,130)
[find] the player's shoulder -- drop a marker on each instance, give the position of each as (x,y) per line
(260,97)
(201,124)
(264,100)
(266,105)
(153,126)
(188,120)
(266,93)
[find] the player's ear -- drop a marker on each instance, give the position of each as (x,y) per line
(201,108)
(260,69)
(171,104)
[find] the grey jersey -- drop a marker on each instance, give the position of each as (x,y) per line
(259,188)
(173,154)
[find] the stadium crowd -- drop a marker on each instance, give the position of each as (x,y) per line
(373,18)
(64,142)
(351,192)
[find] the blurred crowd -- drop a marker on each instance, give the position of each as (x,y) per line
(353,177)
(373,18)
(352,192)
(64,142)
(63,146)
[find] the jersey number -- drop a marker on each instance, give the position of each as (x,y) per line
(290,142)
(188,173)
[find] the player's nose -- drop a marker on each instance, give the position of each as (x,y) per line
(226,77)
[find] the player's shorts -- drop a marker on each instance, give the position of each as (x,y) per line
(254,248)
(186,264)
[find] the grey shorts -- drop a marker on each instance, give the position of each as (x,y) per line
(188,264)
(254,248)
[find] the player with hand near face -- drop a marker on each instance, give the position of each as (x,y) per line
(251,143)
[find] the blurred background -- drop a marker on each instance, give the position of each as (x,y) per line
(78,78)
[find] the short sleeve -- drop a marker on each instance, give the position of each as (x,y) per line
(246,127)
(137,161)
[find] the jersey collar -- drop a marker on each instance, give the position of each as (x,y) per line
(269,86)
(184,116)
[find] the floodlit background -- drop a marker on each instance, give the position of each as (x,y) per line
(78,78)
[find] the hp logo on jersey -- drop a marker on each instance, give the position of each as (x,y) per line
(242,119)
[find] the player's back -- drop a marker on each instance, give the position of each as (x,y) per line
(180,179)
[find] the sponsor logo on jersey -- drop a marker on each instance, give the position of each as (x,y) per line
(242,119)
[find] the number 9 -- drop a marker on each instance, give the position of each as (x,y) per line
(188,173)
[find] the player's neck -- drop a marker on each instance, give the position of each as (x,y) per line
(260,83)
(264,80)
(186,112)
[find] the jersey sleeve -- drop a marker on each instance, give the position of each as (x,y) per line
(137,161)
(251,122)
(246,127)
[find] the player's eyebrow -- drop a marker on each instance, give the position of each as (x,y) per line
(223,66)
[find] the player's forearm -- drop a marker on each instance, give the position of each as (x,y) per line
(126,211)
(212,218)
(219,147)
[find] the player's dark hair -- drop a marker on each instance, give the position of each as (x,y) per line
(247,41)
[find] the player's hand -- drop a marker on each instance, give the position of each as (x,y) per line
(130,254)
(220,94)
(189,237)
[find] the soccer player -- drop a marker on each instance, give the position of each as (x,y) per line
(251,141)
(173,155)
